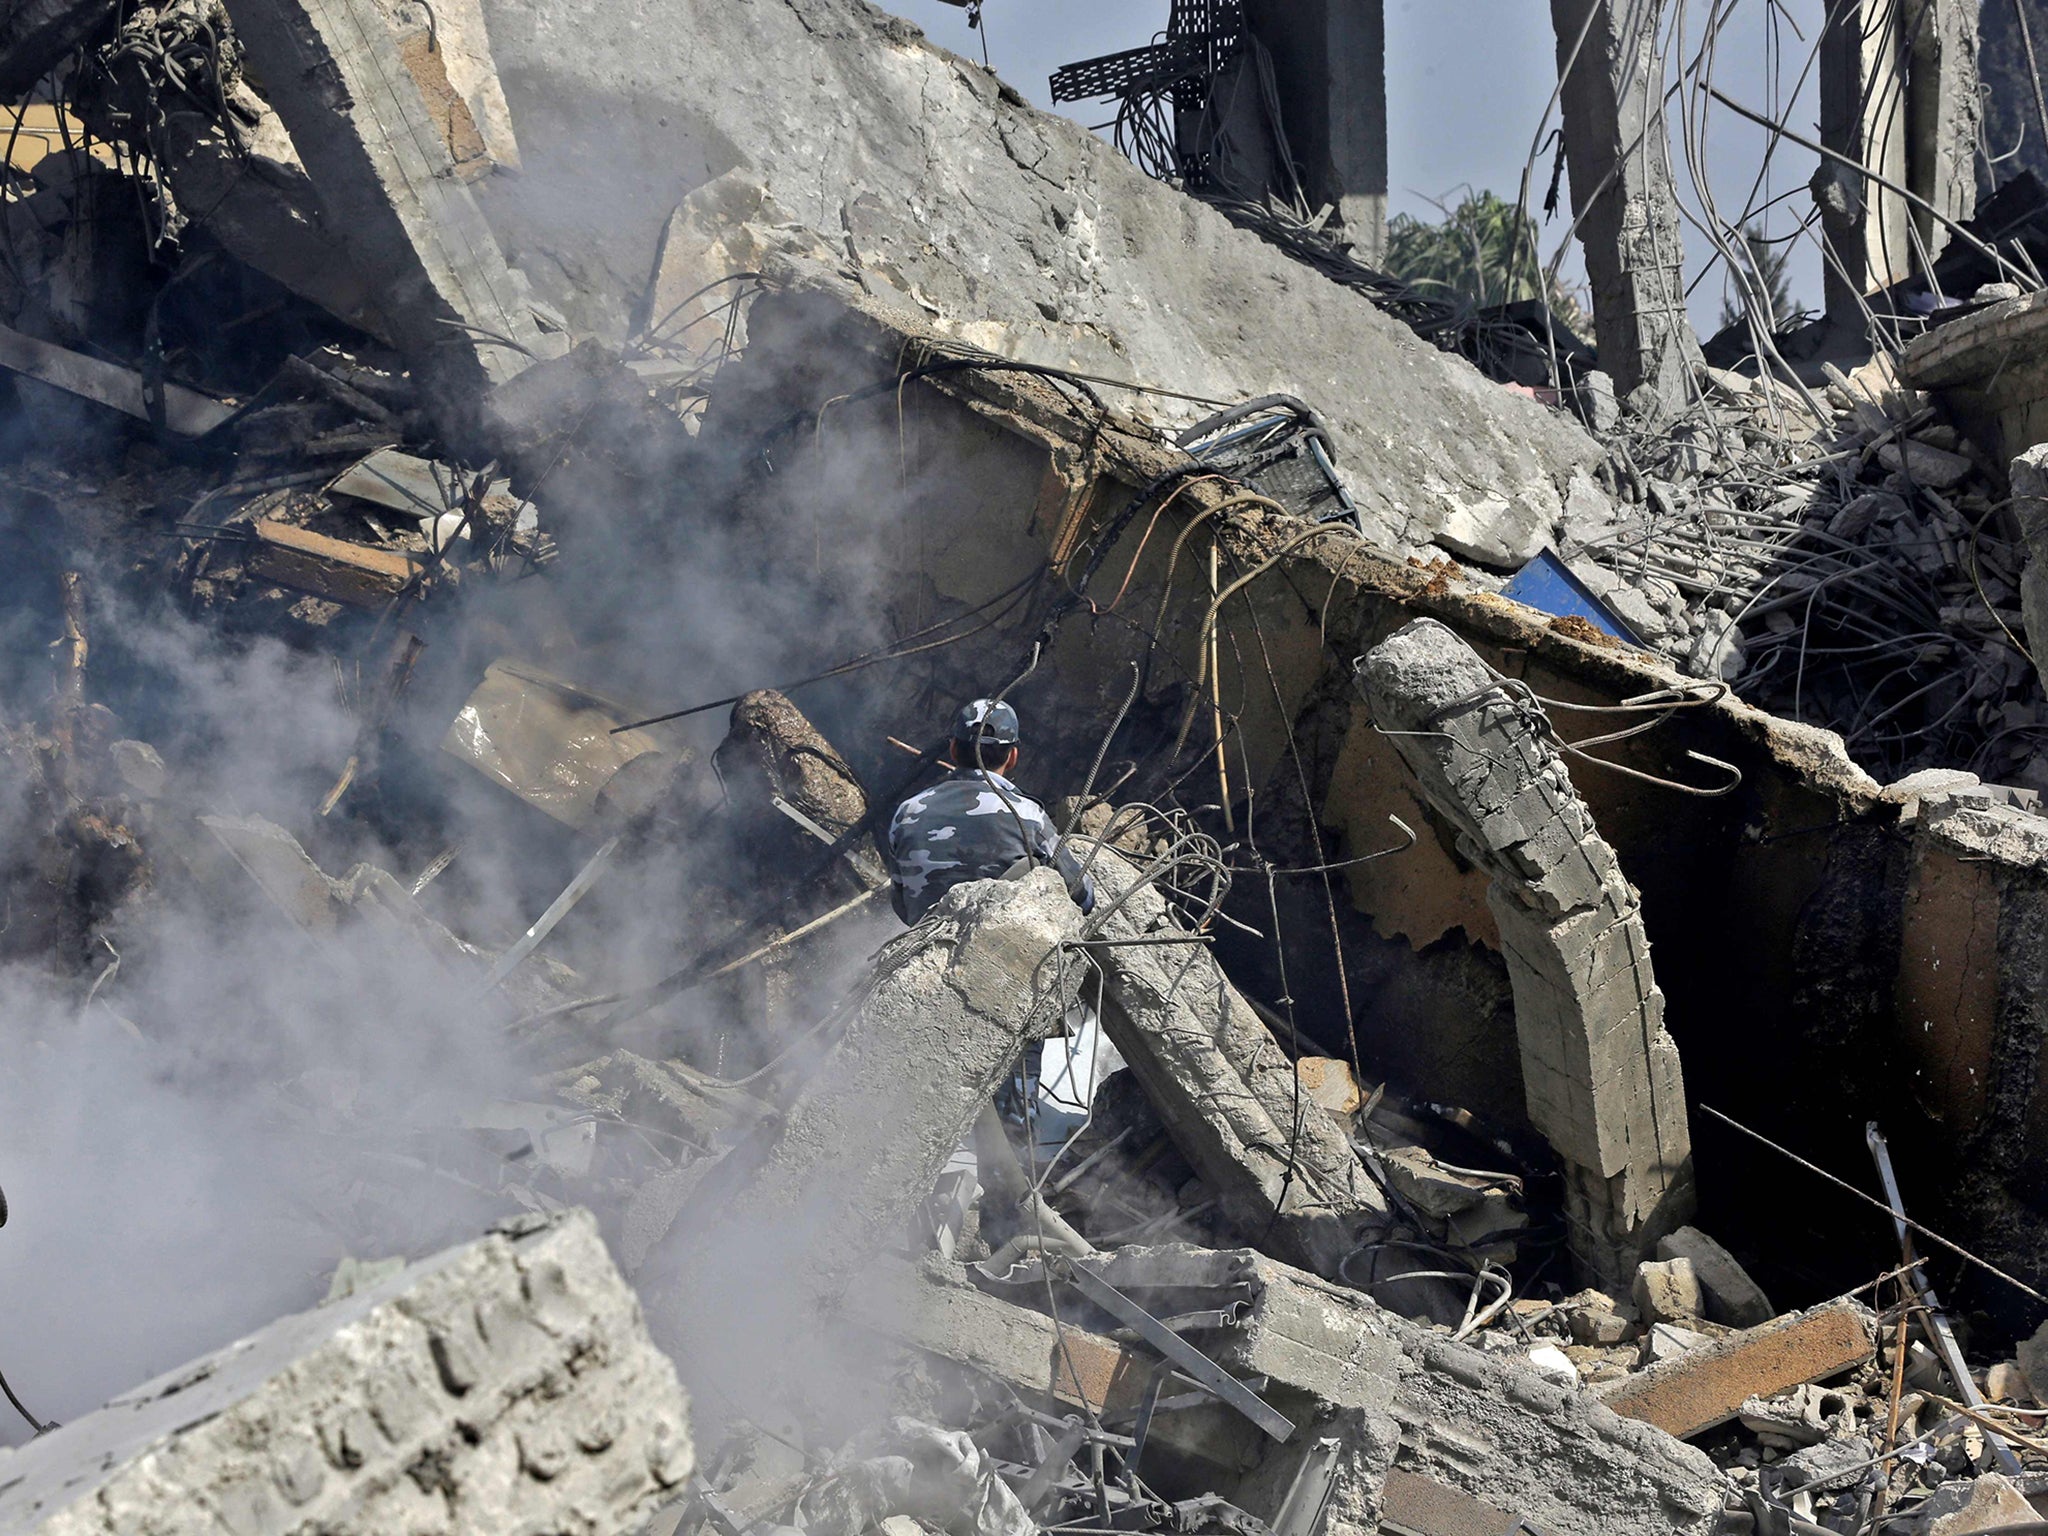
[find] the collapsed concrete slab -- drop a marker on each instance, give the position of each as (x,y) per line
(37,35)
(1418,1419)
(1600,1075)
(1223,1086)
(338,79)
(1801,870)
(776,1233)
(508,1384)
(1005,227)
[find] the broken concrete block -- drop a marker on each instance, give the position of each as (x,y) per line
(507,1384)
(1930,466)
(1731,1297)
(1666,1291)
(1600,1074)
(1708,1386)
(1427,1424)
(778,1230)
(1828,1467)
(1596,1323)
(1667,1341)
(1967,1508)
(1226,1092)
(1428,1186)
(1804,1416)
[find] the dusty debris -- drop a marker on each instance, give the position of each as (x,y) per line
(377,511)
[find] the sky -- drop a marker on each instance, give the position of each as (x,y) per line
(1467,84)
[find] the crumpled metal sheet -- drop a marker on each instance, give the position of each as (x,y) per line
(551,744)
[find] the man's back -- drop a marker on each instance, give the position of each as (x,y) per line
(974,824)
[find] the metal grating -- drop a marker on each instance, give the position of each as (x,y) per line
(1201,36)
(1135,69)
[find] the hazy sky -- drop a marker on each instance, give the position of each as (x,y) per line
(1467,81)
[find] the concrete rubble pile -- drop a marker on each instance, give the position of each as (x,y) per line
(464,609)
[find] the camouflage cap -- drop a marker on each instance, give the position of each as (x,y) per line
(986,723)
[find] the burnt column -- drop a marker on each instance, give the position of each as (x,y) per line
(1329,62)
(1862,118)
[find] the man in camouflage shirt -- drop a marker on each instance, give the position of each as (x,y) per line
(974,824)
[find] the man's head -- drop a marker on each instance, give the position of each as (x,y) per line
(985,735)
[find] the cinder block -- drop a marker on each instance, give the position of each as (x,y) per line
(505,1385)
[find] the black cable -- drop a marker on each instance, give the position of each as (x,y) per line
(896,650)
(33,1422)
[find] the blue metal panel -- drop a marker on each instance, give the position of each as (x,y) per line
(1547,584)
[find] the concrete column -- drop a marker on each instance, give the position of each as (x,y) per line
(1942,108)
(1600,1074)
(1863,116)
(335,73)
(1330,67)
(1618,151)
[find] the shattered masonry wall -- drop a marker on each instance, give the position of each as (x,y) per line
(1784,872)
(506,1384)
(994,223)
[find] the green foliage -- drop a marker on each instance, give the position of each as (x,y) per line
(1767,264)
(1473,256)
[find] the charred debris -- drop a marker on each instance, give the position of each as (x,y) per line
(428,626)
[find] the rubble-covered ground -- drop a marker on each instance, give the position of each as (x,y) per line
(477,594)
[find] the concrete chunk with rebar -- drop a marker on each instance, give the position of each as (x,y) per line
(1600,1074)
(1223,1085)
(773,1237)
